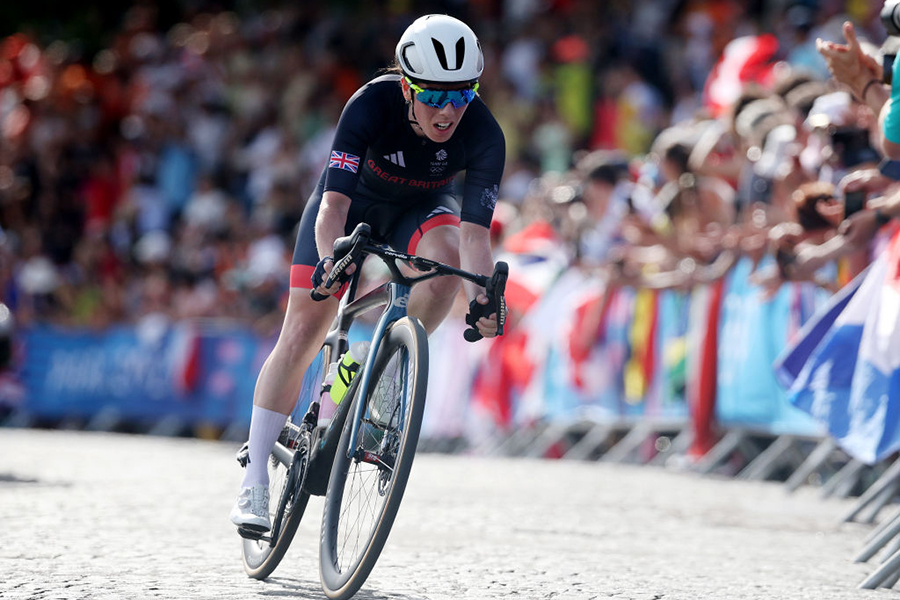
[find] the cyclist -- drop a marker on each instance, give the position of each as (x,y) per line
(399,143)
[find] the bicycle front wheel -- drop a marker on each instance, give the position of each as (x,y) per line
(368,477)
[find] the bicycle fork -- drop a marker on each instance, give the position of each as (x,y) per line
(398,301)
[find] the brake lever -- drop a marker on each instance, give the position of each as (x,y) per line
(345,256)
(494,289)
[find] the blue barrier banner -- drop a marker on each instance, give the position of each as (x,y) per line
(752,333)
(230,360)
(198,375)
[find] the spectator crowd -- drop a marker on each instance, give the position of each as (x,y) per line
(652,143)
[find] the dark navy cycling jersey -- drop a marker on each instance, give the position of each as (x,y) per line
(377,154)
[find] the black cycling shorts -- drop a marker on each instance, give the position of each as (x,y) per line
(401,226)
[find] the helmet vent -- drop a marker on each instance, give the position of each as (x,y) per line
(460,53)
(442,54)
(405,58)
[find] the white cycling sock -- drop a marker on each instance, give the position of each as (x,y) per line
(265,427)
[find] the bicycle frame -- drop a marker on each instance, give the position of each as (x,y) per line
(394,295)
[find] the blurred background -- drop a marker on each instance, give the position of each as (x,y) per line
(155,158)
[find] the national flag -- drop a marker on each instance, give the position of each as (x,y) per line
(505,387)
(790,364)
(641,364)
(851,380)
(344,160)
(746,59)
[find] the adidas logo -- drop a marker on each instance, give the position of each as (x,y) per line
(396,158)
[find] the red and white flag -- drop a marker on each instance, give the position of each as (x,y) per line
(744,60)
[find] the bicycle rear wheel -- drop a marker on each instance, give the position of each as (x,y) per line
(367,481)
(287,503)
(287,499)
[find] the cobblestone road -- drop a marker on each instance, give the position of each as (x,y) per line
(112,516)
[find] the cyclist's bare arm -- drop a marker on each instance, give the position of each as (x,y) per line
(330,224)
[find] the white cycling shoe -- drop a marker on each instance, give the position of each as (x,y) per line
(251,510)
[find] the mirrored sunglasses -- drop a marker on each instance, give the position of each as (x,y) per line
(440,98)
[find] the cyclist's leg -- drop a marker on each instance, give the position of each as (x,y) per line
(431,230)
(305,325)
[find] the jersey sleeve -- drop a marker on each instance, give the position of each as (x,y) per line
(356,129)
(484,169)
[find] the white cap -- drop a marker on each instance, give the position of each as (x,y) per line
(829,109)
(774,153)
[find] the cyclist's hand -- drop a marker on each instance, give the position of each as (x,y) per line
(487,312)
(485,324)
(323,270)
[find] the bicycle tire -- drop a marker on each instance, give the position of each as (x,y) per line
(342,575)
(261,557)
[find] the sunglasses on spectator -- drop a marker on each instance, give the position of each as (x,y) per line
(441,98)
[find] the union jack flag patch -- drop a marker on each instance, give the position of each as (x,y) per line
(343,160)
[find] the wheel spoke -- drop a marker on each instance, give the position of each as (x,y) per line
(370,476)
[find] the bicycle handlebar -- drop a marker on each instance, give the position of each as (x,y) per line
(350,249)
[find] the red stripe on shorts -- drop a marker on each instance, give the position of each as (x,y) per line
(427,226)
(301,276)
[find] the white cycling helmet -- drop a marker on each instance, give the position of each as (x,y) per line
(440,49)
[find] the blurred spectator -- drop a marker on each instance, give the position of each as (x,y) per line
(207,208)
(175,162)
(606,194)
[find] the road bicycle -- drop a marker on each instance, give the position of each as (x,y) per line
(360,464)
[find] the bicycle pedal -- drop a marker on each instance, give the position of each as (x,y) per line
(249,533)
(243,455)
